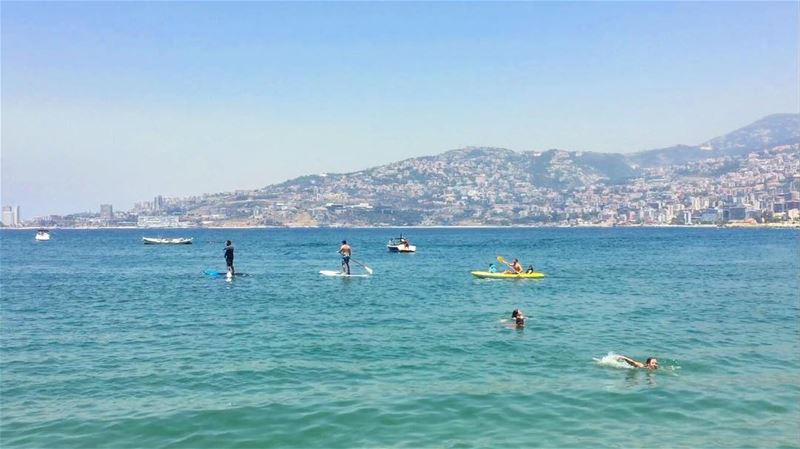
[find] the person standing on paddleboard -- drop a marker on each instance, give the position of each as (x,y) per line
(229,257)
(345,251)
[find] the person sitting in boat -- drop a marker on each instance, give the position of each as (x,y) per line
(492,268)
(515,267)
(518,317)
(529,270)
(650,363)
(405,243)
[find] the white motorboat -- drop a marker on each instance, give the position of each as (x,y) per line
(400,245)
(42,235)
(163,241)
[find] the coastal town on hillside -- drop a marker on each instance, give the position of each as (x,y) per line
(488,187)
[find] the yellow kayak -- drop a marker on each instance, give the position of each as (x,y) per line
(498,275)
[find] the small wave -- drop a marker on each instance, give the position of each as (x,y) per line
(611,361)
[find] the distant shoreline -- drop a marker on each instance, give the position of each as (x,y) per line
(662,226)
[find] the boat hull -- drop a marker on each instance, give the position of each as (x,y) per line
(401,249)
(489,275)
(157,241)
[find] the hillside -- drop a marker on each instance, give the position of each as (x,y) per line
(770,131)
(553,169)
(755,167)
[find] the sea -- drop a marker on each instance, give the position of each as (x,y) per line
(107,342)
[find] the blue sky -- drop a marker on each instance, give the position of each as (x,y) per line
(118,102)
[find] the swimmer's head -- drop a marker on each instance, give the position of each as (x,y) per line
(228,242)
(651,363)
(344,242)
(516,313)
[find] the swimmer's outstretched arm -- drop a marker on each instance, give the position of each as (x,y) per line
(630,361)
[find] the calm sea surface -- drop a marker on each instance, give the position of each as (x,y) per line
(110,343)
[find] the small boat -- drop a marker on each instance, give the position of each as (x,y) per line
(42,235)
(500,275)
(400,245)
(163,241)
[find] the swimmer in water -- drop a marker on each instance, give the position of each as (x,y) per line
(518,317)
(650,363)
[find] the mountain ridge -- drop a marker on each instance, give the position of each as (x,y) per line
(774,129)
(771,130)
(756,166)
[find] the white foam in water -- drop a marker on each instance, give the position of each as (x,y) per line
(611,361)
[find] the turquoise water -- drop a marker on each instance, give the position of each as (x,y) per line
(107,342)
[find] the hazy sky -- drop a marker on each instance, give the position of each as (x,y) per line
(118,102)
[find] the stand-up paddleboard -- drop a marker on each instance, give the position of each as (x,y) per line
(214,273)
(340,274)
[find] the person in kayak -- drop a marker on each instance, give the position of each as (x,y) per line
(650,363)
(229,257)
(518,317)
(346,252)
(515,267)
(492,268)
(529,270)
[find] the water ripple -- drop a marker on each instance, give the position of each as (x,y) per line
(135,347)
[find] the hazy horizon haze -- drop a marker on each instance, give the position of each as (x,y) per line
(119,102)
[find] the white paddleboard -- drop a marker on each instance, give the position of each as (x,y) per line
(340,274)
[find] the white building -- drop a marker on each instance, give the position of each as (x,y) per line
(11,216)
